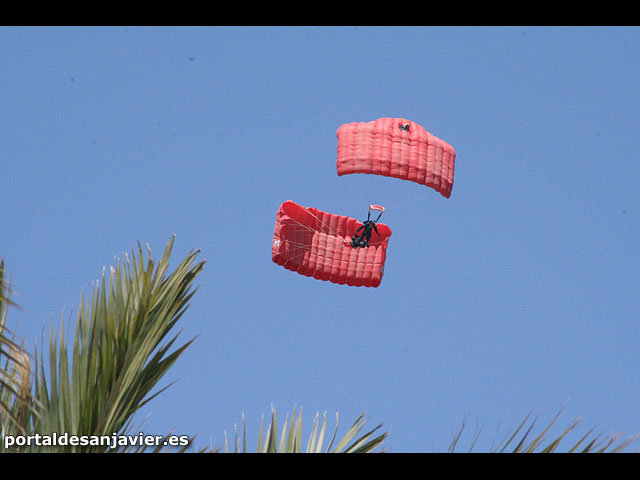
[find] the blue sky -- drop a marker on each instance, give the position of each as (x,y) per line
(518,293)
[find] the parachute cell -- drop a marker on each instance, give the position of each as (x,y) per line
(316,244)
(396,147)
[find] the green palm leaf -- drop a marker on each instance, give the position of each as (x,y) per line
(122,346)
(524,440)
(291,440)
(16,404)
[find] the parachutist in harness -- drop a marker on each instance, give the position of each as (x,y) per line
(367,228)
(363,241)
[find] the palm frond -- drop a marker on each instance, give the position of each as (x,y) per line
(15,371)
(524,440)
(121,348)
(291,439)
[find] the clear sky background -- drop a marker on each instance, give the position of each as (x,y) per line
(519,293)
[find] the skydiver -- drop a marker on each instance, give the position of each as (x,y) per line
(367,227)
(363,241)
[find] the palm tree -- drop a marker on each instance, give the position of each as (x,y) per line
(123,344)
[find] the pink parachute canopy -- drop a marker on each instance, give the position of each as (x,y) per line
(396,147)
(317,244)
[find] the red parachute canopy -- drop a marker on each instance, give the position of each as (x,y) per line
(395,147)
(316,244)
